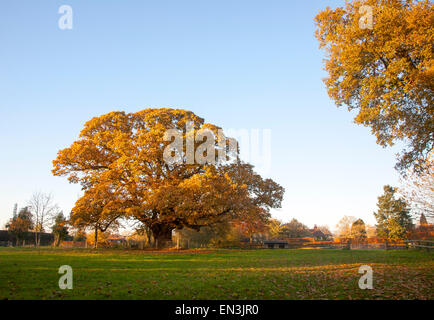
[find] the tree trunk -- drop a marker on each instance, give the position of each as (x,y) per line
(149,237)
(95,245)
(162,235)
(39,238)
(57,241)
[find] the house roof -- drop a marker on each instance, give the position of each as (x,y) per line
(116,237)
(318,234)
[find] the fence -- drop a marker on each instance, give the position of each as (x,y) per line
(377,244)
(346,244)
(73,244)
(420,244)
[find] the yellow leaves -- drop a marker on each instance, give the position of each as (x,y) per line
(119,161)
(385,73)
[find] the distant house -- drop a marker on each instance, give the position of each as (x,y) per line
(276,244)
(318,235)
(116,239)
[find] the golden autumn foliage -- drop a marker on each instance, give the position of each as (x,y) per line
(102,240)
(99,209)
(385,73)
(119,161)
(20,224)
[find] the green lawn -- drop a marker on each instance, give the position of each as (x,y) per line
(219,274)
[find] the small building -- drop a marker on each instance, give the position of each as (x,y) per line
(276,244)
(318,235)
(116,239)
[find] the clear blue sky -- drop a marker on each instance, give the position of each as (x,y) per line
(239,64)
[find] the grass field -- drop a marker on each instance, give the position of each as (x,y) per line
(215,274)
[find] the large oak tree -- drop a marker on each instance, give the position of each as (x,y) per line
(123,154)
(384,73)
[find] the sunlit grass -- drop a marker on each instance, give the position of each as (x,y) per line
(220,274)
